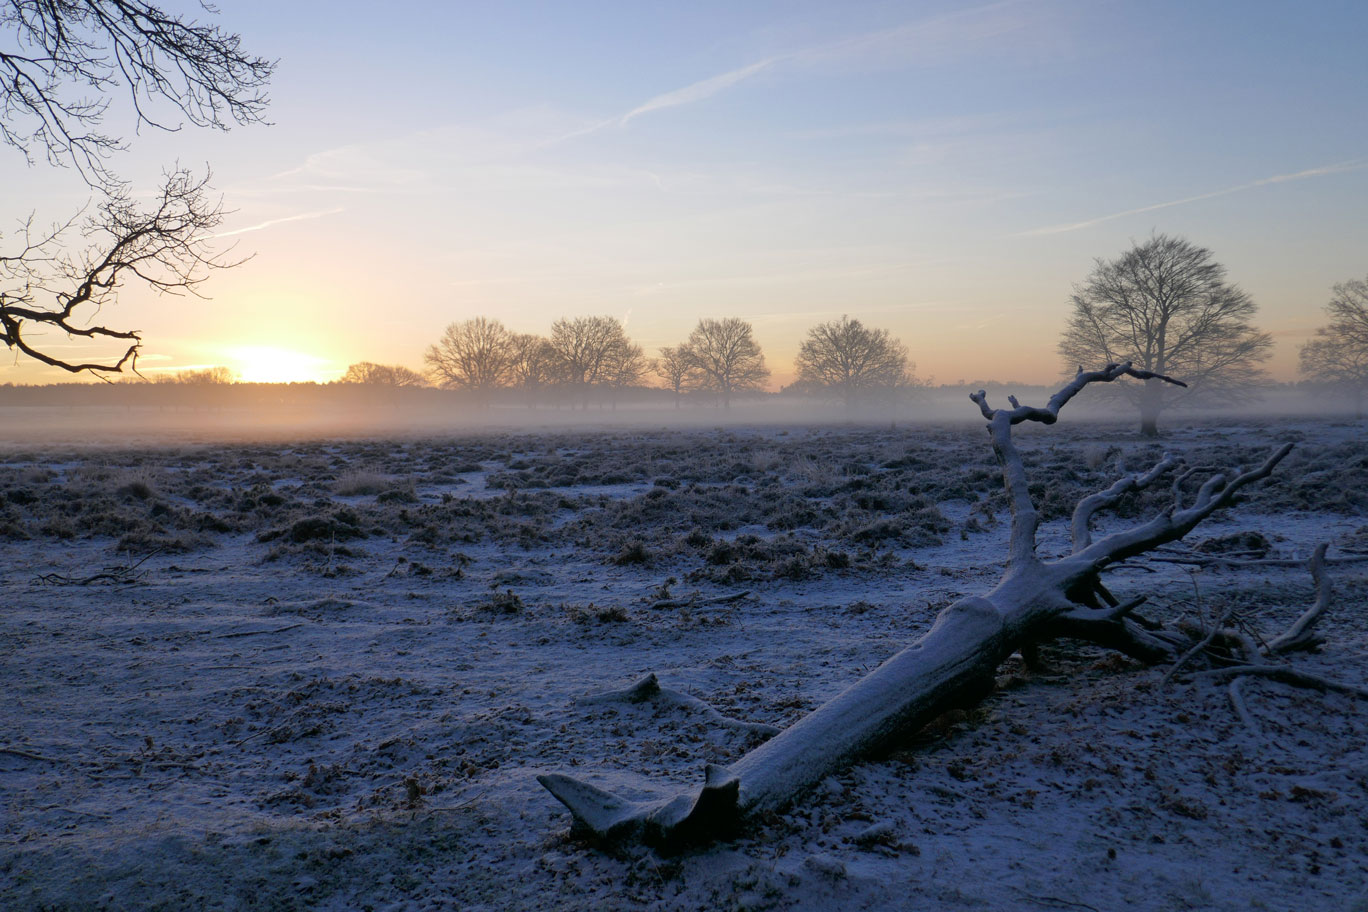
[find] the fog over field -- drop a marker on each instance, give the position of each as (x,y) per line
(247,412)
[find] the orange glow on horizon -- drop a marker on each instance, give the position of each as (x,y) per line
(265,364)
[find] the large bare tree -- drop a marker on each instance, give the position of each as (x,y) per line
(1338,356)
(728,357)
(584,349)
(678,368)
(1165,305)
(852,361)
(534,365)
(626,364)
(61,66)
(475,355)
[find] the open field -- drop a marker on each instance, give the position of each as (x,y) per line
(324,674)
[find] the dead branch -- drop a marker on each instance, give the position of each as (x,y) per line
(1300,635)
(952,664)
(27,755)
(1285,675)
(1089,506)
(1191,558)
(1237,702)
(1199,647)
(648,690)
(120,574)
(248,633)
(695,602)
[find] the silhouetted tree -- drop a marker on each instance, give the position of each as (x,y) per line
(394,375)
(624,366)
(475,355)
(728,357)
(533,366)
(59,63)
(46,284)
(852,361)
(209,376)
(583,349)
(678,368)
(1165,306)
(1339,354)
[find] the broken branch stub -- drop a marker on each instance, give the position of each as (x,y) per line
(952,664)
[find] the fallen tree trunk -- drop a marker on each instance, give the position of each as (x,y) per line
(954,663)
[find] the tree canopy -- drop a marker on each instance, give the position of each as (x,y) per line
(727,356)
(848,359)
(393,375)
(1338,355)
(1165,306)
(474,355)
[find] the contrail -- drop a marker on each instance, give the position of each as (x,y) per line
(280,221)
(1338,168)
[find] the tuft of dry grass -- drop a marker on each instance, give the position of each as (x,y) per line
(356,484)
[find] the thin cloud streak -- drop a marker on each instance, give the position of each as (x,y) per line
(303,216)
(928,37)
(705,88)
(1356,164)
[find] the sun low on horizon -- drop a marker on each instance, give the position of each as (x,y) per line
(270,364)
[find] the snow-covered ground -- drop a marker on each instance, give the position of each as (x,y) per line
(325,674)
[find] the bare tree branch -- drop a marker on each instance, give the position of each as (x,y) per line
(163,247)
(58,48)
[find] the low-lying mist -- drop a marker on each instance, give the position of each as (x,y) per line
(147,414)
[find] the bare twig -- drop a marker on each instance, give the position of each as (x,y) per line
(27,755)
(1285,675)
(1237,702)
(696,602)
(248,633)
(1198,647)
(117,574)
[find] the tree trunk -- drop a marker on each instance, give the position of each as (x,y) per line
(1151,401)
(951,665)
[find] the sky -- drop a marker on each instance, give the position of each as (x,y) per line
(946,171)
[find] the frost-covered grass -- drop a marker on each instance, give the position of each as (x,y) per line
(340,665)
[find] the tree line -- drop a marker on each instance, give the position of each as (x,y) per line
(1164,305)
(592,358)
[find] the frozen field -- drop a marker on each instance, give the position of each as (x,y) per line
(325,674)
